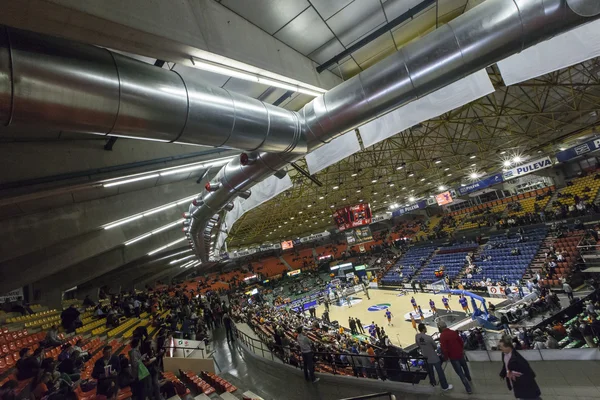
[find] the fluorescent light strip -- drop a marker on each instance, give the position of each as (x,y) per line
(167,246)
(141,138)
(149,212)
(182,259)
(123,221)
(281,82)
(137,239)
(156,210)
(165,171)
(139,178)
(171,225)
(162,228)
(187,264)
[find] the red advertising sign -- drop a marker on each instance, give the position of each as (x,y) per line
(287,245)
(443,198)
(353,216)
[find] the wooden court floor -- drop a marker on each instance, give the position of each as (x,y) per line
(401,332)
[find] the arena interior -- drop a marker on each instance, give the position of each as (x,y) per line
(299,199)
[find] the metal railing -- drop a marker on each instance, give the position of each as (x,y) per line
(398,367)
(384,395)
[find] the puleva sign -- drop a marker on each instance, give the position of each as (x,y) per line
(527,168)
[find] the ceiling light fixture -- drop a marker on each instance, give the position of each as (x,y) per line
(181,259)
(167,246)
(139,178)
(278,81)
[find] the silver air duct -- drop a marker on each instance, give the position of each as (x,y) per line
(74,87)
(486,34)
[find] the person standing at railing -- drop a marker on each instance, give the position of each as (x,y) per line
(453,350)
(428,349)
(308,361)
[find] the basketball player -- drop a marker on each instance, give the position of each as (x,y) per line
(413,322)
(421,313)
(464,304)
(446,303)
(388,315)
(432,306)
(414,303)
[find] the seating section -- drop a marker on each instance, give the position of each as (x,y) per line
(585,188)
(299,259)
(270,267)
(504,265)
(453,263)
(206,382)
(414,257)
(34,320)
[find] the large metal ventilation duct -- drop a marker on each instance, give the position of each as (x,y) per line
(75,87)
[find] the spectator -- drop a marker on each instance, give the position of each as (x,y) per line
(138,370)
(52,339)
(106,370)
(70,318)
(428,349)
(40,386)
(568,290)
(453,350)
(8,391)
(516,371)
(307,356)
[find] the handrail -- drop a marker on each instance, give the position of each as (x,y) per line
(409,369)
(372,396)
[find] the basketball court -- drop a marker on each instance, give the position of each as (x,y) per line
(373,310)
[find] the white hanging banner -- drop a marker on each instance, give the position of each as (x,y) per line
(434,104)
(266,190)
(334,151)
(234,214)
(569,48)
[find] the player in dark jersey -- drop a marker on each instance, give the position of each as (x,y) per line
(388,315)
(432,306)
(446,303)
(464,304)
(414,303)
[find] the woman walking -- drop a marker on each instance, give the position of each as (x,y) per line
(519,376)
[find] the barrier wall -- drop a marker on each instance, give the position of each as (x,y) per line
(539,355)
(173,364)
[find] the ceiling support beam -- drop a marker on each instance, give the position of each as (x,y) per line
(376,33)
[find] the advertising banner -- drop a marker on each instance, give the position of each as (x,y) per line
(499,290)
(481,184)
(579,150)
(411,207)
(527,168)
(359,235)
(443,198)
(12,295)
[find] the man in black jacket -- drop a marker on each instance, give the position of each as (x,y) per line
(519,376)
(107,366)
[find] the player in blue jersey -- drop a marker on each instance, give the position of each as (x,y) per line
(388,315)
(414,303)
(446,303)
(372,330)
(464,304)
(432,306)
(421,313)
